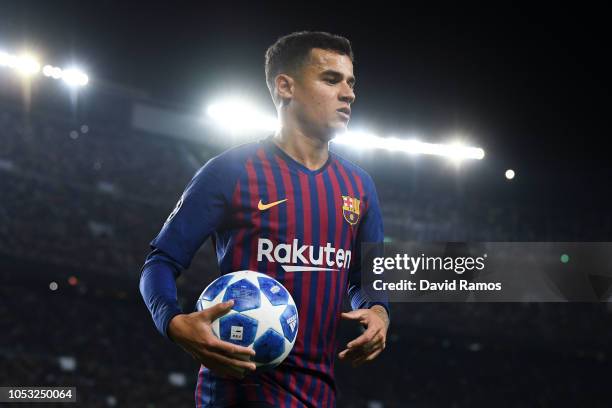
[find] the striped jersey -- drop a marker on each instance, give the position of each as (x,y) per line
(269,213)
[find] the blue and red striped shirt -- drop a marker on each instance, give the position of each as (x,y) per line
(269,213)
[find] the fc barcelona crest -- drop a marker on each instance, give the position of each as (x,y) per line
(350,209)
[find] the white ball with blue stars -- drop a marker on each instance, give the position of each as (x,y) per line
(264,316)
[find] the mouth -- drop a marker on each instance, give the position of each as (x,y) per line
(345,112)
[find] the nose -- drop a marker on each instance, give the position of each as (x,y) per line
(347,94)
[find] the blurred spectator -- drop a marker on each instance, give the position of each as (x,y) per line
(88,198)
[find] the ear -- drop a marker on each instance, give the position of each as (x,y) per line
(285,86)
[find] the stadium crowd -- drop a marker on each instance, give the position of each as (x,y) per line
(86,197)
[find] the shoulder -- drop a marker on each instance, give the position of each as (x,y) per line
(230,163)
(220,173)
(355,170)
(233,158)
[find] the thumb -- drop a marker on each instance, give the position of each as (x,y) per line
(218,310)
(352,315)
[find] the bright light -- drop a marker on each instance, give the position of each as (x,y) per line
(47,70)
(51,71)
(239,116)
(26,65)
(509,174)
(364,140)
(6,60)
(74,77)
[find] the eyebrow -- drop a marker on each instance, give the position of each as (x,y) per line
(337,74)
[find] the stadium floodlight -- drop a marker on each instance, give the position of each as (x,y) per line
(47,70)
(6,60)
(74,77)
(26,64)
(239,116)
(360,140)
(51,71)
(364,140)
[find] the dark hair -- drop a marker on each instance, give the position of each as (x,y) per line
(289,53)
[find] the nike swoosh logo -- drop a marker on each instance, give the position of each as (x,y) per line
(262,207)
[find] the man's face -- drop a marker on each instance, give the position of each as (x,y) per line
(322,91)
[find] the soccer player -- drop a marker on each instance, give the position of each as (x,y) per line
(285,189)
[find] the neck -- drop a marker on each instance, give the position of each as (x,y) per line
(310,151)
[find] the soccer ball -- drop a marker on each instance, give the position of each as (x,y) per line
(264,316)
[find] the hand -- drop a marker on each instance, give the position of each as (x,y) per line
(372,342)
(193,332)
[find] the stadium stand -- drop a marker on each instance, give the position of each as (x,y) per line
(84,197)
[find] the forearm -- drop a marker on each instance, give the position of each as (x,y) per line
(158,289)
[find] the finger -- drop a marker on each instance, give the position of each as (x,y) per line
(226,371)
(352,315)
(352,354)
(222,370)
(229,361)
(202,352)
(220,309)
(366,358)
(375,343)
(366,337)
(226,347)
(374,354)
(369,347)
(378,339)
(363,350)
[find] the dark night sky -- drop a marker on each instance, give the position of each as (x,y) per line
(527,85)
